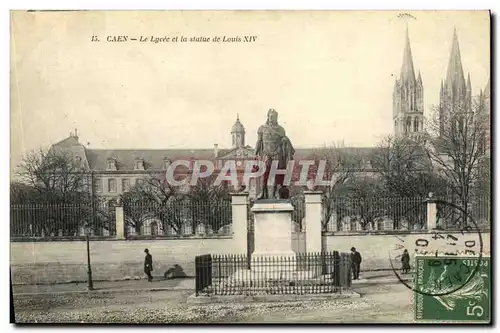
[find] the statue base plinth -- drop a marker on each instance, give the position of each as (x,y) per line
(272,227)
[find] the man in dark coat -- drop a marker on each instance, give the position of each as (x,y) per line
(148,265)
(405,259)
(355,263)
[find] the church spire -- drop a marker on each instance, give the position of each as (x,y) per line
(408,97)
(455,74)
(407,69)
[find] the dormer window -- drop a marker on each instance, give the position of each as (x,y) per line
(111,164)
(139,164)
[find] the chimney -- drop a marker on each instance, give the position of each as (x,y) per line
(76,135)
(216,149)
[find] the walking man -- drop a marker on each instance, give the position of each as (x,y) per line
(148,265)
(355,263)
(405,259)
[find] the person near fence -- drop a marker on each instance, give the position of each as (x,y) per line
(405,259)
(148,265)
(355,263)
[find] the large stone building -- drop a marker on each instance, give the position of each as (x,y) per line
(117,170)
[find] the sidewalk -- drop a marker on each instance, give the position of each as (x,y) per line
(381,277)
(107,287)
(376,277)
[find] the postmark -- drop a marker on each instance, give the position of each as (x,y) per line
(464,240)
(469,303)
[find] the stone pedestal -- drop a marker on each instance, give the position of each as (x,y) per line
(273,257)
(273,228)
(431,213)
(120,222)
(239,203)
(313,221)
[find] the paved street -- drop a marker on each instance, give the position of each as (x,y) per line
(379,303)
(159,283)
(164,301)
(108,286)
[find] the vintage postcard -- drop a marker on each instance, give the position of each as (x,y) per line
(250,167)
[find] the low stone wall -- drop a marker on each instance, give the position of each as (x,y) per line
(58,262)
(374,248)
(65,261)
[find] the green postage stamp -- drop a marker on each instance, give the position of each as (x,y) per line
(453,288)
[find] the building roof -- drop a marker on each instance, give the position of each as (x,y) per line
(125,159)
(238,126)
(153,159)
(70,141)
(73,147)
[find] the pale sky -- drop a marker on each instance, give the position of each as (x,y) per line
(330,75)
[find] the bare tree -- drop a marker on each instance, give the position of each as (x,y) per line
(58,184)
(137,208)
(210,203)
(457,148)
(408,176)
(405,168)
(21,193)
(361,201)
(340,163)
(57,174)
(151,199)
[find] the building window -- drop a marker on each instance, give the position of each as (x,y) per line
(112,185)
(98,185)
(139,182)
(111,164)
(415,125)
(125,185)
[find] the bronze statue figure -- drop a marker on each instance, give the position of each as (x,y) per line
(273,144)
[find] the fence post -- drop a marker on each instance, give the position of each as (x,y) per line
(431,212)
(239,202)
(120,221)
(313,221)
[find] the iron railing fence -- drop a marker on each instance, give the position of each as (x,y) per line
(400,213)
(303,273)
(453,214)
(178,218)
(62,221)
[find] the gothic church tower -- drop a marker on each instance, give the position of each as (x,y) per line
(455,93)
(408,98)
